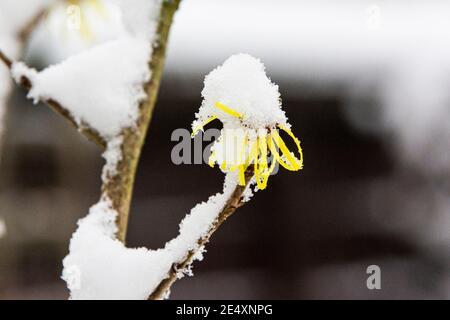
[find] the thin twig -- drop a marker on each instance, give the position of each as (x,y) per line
(25,32)
(235,201)
(120,187)
(5,60)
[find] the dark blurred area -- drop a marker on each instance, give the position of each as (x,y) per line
(310,235)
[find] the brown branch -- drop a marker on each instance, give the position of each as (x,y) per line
(25,32)
(120,187)
(5,60)
(235,201)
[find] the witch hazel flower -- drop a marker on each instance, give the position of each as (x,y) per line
(243,98)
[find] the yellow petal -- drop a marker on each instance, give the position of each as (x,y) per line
(228,110)
(292,164)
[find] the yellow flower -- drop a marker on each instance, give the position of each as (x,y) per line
(238,149)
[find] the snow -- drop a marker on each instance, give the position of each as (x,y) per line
(198,222)
(241,84)
(101,87)
(100,267)
(105,269)
(249,192)
(112,156)
(140,16)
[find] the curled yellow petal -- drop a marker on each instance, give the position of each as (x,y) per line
(263,171)
(292,163)
(228,110)
(297,142)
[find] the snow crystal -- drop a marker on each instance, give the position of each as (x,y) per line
(100,267)
(112,155)
(249,192)
(242,85)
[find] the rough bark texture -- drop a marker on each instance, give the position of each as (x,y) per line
(235,201)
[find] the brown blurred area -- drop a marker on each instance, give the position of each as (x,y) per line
(310,235)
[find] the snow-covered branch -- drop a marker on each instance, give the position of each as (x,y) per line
(23,77)
(249,135)
(232,201)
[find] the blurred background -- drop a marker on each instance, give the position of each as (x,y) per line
(365,86)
